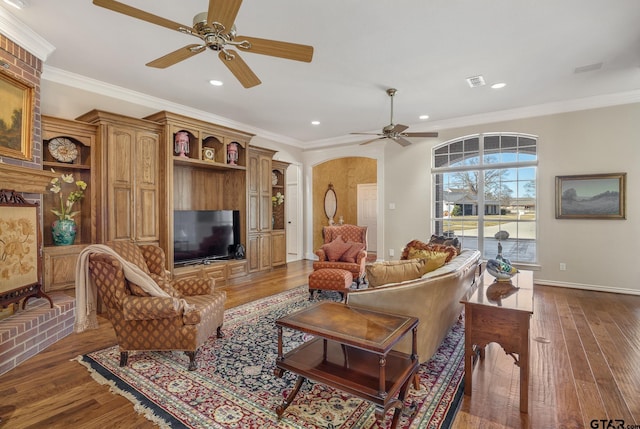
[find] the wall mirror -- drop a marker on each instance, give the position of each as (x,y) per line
(330,202)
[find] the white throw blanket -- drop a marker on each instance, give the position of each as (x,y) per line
(86,293)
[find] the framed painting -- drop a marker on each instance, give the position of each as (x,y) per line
(591,196)
(16,113)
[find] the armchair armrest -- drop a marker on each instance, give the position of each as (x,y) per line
(194,286)
(148,308)
(321,255)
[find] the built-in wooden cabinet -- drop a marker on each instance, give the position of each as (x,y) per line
(278,248)
(211,175)
(137,176)
(279,201)
(266,220)
(82,167)
(59,266)
(81,144)
(131,176)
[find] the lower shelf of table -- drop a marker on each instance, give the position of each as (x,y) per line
(350,369)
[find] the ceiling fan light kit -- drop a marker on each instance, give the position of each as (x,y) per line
(217,31)
(396,132)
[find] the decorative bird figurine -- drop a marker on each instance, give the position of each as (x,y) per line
(502,271)
(499,256)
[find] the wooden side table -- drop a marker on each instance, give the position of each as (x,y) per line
(496,313)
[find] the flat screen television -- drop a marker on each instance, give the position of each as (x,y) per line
(200,236)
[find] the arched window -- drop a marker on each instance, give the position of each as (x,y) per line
(485,193)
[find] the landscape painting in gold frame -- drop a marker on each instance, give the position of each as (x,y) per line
(591,196)
(16,113)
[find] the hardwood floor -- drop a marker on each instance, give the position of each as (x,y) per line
(585,365)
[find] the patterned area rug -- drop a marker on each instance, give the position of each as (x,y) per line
(235,387)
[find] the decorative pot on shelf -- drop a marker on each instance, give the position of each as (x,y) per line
(64,232)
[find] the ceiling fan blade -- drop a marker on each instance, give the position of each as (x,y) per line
(371,141)
(368,134)
(140,14)
(274,48)
(239,68)
(398,128)
(402,141)
(176,56)
(419,134)
(223,12)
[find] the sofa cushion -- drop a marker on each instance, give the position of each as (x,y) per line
(335,249)
(352,253)
(382,273)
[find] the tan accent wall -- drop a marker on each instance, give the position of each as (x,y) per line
(345,174)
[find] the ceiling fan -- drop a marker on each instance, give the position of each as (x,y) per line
(396,132)
(217,31)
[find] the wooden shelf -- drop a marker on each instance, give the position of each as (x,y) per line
(55,165)
(191,162)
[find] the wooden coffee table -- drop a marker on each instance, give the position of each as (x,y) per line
(494,313)
(351,352)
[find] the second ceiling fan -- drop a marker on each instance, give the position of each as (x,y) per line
(396,132)
(217,31)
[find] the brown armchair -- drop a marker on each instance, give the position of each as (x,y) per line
(143,322)
(352,259)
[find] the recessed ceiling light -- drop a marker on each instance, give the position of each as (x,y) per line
(18,4)
(423,116)
(498,85)
(216,82)
(315,122)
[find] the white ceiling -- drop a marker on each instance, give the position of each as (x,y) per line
(424,48)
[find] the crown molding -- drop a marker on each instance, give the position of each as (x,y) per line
(63,77)
(92,85)
(565,106)
(22,35)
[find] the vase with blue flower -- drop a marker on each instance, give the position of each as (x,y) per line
(64,229)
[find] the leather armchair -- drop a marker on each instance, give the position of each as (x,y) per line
(349,233)
(145,323)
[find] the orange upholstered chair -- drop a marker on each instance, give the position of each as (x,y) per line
(145,323)
(345,247)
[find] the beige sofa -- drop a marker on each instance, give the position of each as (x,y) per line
(434,299)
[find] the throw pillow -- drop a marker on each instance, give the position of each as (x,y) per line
(382,273)
(433,260)
(450,250)
(419,245)
(352,253)
(335,249)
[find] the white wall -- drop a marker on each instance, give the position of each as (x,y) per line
(600,254)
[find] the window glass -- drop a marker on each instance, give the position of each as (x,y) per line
(485,194)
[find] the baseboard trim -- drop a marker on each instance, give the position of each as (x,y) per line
(596,288)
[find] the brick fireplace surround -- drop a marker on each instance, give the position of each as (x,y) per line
(29,331)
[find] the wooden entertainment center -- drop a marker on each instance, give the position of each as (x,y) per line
(136,179)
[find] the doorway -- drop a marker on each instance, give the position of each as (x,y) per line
(367,196)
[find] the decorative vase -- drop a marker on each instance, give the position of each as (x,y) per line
(64,232)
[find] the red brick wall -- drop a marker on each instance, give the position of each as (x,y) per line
(26,67)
